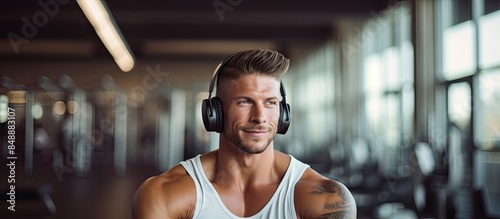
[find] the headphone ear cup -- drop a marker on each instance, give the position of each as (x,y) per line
(208,115)
(284,120)
(219,120)
(212,114)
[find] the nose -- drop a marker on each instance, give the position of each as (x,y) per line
(258,114)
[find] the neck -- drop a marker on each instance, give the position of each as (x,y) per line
(242,170)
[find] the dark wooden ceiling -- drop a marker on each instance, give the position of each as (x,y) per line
(279,22)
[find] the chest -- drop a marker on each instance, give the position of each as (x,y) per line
(246,203)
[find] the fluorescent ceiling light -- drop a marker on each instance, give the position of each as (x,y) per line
(110,35)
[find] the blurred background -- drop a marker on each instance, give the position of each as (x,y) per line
(396,99)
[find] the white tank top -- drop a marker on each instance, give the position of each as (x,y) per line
(210,205)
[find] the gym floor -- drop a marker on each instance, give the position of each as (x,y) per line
(99,195)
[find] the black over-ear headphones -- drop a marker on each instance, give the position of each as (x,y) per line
(211,108)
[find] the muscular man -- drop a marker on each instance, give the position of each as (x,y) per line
(246,177)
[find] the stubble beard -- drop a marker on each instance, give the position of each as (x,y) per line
(236,140)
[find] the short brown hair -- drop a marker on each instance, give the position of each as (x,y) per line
(256,61)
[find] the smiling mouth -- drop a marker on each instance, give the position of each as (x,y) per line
(255,132)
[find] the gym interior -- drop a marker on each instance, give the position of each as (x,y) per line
(396,99)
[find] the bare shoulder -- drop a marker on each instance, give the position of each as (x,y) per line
(319,197)
(169,195)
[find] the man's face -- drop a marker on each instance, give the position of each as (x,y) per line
(251,112)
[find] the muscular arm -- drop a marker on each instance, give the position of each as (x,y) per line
(320,198)
(166,196)
(337,201)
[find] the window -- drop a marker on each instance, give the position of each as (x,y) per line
(459,107)
(312,100)
(459,51)
(470,67)
(388,73)
(489,89)
(489,43)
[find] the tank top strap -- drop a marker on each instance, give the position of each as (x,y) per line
(191,167)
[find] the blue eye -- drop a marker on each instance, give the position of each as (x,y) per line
(271,102)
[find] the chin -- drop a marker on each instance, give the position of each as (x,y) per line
(252,150)
(255,148)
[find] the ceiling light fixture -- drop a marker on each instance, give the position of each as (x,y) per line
(102,20)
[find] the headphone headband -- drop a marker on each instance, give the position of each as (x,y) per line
(219,68)
(216,75)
